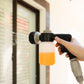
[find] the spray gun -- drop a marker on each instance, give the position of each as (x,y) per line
(47,54)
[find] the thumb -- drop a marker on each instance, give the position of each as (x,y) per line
(61,41)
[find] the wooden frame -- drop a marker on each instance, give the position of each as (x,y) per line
(14,49)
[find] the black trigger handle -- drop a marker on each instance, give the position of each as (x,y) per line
(66,37)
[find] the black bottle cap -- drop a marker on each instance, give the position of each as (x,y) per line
(31,37)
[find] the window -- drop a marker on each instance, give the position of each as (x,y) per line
(5,42)
(26,52)
(27,66)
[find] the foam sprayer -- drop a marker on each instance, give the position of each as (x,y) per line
(47,51)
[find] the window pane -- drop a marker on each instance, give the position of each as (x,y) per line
(25,51)
(5,42)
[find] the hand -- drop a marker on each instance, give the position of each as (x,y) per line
(73,47)
(59,49)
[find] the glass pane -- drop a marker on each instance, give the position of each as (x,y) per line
(26,54)
(5,42)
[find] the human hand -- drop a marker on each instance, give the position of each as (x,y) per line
(73,47)
(59,47)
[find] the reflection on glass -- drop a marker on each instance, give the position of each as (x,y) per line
(25,51)
(5,42)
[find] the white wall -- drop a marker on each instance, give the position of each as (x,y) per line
(66,17)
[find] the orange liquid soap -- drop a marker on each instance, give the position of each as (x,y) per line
(47,58)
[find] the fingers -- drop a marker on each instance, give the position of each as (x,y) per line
(59,49)
(61,41)
(67,55)
(57,44)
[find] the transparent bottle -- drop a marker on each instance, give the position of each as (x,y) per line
(46,53)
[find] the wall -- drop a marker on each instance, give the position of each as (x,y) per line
(66,17)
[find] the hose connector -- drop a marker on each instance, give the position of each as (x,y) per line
(76,69)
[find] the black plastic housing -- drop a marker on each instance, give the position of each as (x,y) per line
(48,37)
